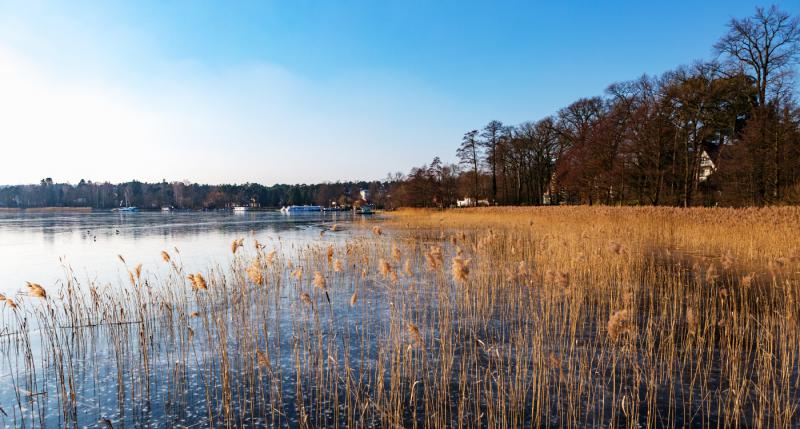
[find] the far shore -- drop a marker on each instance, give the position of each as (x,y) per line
(45,209)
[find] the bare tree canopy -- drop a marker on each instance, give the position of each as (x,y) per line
(766,45)
(724,131)
(469,154)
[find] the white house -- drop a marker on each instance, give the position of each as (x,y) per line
(707,165)
(471,202)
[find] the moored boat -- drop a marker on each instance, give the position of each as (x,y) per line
(301,209)
(364,210)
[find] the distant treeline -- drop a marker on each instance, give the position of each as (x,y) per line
(184,195)
(725,131)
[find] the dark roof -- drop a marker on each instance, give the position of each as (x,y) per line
(713,150)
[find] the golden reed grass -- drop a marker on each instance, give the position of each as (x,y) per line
(497,317)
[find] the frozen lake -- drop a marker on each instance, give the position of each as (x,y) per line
(32,246)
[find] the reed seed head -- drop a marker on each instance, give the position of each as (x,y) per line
(198,282)
(460,269)
(35,290)
(319,280)
(618,324)
(416,336)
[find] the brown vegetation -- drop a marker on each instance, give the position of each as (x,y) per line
(563,316)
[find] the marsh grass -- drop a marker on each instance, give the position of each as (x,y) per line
(568,317)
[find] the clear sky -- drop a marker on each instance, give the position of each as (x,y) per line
(299,91)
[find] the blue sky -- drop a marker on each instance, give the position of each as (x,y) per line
(301,91)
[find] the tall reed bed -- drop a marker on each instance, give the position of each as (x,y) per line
(567,317)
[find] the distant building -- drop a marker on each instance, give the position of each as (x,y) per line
(471,202)
(708,157)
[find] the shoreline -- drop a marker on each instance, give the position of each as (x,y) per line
(45,209)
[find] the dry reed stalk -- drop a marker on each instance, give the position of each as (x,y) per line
(263,359)
(270,257)
(407,269)
(384,268)
(691,320)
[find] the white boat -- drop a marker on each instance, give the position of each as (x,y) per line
(301,209)
(240,208)
(166,208)
(364,210)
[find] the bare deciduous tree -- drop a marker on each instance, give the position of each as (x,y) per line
(469,154)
